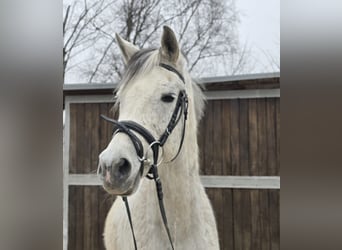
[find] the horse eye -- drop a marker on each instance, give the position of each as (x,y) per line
(167,98)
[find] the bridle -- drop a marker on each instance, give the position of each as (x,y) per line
(129,127)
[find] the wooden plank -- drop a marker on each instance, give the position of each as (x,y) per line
(255,220)
(242,220)
(90,236)
(73,140)
(208,140)
(234,136)
(103,135)
(274,221)
(95,137)
(87,140)
(237,222)
(271,137)
(253,137)
(66,158)
(215,196)
(225,138)
(264,219)
(243,139)
(216,155)
(261,134)
(87,167)
(246,211)
(278,135)
(80,219)
(82,157)
(87,218)
(227,241)
(94,214)
(228,219)
(76,219)
(217,164)
(72,218)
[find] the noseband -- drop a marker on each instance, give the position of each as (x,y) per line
(129,127)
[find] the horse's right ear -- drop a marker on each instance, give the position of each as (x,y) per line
(127,49)
(169,46)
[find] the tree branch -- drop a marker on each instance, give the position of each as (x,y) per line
(66,18)
(101,60)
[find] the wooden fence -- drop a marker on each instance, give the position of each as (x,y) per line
(239,141)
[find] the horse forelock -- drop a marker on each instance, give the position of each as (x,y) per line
(141,62)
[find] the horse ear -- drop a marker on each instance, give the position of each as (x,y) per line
(169,46)
(127,49)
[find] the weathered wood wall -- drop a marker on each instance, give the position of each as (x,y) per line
(237,137)
(241,137)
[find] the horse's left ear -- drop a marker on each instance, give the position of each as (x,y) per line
(169,46)
(127,48)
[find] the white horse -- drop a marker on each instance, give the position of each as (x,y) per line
(147,95)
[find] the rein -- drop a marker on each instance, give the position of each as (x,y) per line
(127,127)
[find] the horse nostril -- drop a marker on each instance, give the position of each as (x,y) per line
(123,168)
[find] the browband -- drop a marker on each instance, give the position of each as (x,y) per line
(170,68)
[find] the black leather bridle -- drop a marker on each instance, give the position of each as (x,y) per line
(130,128)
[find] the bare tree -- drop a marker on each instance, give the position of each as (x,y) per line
(206,30)
(273,61)
(78,31)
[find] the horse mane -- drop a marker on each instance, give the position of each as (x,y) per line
(199,100)
(142,62)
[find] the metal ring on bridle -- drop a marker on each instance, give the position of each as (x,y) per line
(161,155)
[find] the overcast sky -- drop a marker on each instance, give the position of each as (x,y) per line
(260,28)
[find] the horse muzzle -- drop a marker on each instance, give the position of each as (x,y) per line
(118,175)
